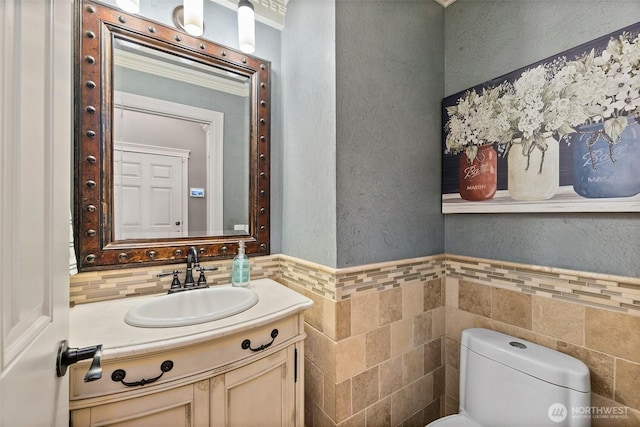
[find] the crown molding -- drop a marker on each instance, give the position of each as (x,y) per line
(269,12)
(168,70)
(272,12)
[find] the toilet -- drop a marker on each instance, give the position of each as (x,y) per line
(508,382)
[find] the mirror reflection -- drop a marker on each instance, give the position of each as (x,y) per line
(180,146)
(172,144)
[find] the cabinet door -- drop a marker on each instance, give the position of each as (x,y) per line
(182,406)
(261,393)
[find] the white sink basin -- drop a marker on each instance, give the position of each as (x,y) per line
(191,307)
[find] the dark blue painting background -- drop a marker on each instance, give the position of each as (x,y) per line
(450,181)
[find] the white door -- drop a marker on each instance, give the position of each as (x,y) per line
(35,136)
(150,195)
(164,113)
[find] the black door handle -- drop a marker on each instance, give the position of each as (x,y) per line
(68,356)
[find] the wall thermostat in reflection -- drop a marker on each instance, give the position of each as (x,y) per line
(197,192)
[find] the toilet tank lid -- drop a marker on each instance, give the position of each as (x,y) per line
(532,359)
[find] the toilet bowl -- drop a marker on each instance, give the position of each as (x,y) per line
(507,381)
(458,420)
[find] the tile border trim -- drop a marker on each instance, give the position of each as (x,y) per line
(618,293)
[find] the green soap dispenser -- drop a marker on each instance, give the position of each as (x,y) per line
(240,273)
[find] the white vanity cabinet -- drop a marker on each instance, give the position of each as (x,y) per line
(259,394)
(246,371)
(186,405)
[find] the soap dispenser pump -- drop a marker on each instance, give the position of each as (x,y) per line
(240,268)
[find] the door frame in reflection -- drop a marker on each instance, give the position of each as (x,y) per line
(213,124)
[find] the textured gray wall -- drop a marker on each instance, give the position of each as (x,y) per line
(309,117)
(389,67)
(356,174)
(364,81)
(485,39)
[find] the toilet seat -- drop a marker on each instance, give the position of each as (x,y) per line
(457,420)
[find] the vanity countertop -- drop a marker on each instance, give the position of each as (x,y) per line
(103,322)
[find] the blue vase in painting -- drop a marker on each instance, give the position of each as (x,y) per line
(603,167)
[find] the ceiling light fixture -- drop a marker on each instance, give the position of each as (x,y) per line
(246,27)
(192,17)
(189,18)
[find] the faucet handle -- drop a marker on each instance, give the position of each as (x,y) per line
(207,269)
(175,283)
(202,280)
(174,272)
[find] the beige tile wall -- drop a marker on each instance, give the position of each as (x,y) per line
(375,356)
(382,346)
(606,338)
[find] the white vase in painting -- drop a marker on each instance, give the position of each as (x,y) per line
(535,174)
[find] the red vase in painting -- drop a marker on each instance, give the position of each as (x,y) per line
(479,178)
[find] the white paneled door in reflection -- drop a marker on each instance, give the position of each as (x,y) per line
(150,192)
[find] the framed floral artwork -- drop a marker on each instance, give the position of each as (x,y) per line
(560,135)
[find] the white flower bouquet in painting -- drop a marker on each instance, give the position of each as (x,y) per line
(587,101)
(472,122)
(471,130)
(606,145)
(539,112)
(607,85)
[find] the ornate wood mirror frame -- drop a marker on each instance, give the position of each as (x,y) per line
(96,247)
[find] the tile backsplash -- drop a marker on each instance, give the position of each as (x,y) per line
(105,285)
(383,339)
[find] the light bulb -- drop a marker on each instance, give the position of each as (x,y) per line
(193,19)
(246,27)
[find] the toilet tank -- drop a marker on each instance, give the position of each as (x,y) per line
(507,381)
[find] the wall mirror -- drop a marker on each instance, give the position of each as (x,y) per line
(171,144)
